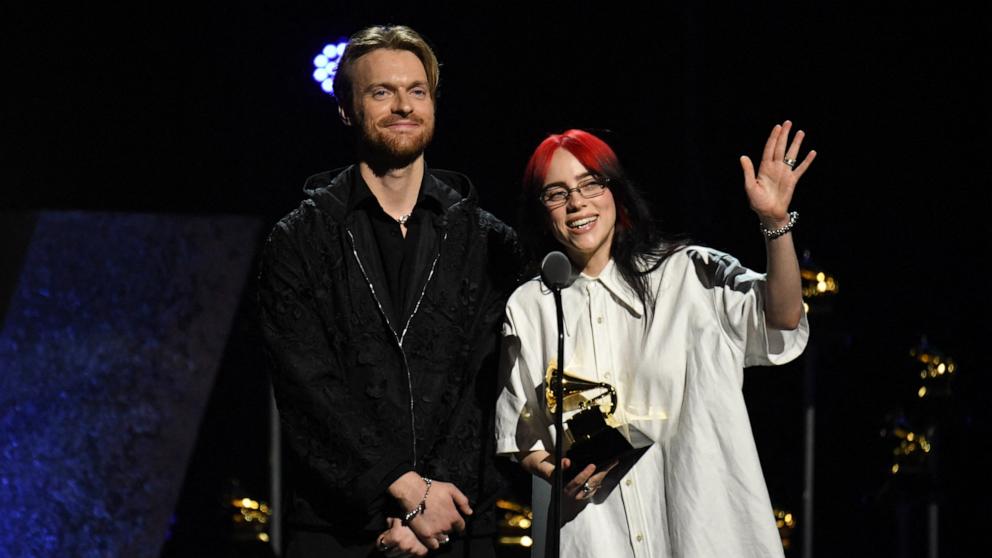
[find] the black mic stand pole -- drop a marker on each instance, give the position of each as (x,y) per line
(552,546)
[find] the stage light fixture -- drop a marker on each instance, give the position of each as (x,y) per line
(326,65)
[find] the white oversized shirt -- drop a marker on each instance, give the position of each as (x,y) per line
(697,490)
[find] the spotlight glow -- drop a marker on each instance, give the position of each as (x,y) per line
(326,65)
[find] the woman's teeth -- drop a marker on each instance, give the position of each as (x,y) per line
(581,223)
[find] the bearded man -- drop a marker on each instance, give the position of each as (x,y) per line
(381,297)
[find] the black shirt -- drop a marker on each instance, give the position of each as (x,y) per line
(404,259)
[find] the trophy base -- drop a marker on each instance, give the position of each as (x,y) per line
(596,443)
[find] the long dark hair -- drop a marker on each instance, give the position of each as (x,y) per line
(638,246)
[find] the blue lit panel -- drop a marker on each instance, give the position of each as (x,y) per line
(107,356)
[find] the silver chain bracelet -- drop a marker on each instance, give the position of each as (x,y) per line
(772,234)
(421,507)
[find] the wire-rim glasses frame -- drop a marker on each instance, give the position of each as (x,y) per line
(554,197)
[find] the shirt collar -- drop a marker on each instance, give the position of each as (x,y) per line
(611,279)
(429,197)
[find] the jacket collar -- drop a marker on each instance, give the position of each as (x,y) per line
(331,190)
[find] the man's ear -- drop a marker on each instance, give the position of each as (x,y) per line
(345,119)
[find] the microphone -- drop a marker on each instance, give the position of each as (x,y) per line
(556,270)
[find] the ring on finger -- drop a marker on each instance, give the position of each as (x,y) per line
(443,539)
(383,547)
(586,489)
(790,162)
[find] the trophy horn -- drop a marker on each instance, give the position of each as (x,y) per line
(574,390)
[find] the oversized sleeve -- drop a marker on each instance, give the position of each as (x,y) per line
(348,451)
(522,421)
(738,296)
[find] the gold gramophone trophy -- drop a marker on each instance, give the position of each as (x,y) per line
(592,433)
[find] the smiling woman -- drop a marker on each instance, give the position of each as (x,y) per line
(625,229)
(669,327)
(584,223)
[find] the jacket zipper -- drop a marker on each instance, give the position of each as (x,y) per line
(399,338)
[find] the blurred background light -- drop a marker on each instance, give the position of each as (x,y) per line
(326,65)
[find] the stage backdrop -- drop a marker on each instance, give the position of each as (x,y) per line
(108,351)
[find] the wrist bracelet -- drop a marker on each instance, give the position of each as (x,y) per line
(772,234)
(421,507)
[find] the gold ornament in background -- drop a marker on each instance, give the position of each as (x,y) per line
(817,284)
(912,445)
(251,519)
(786,522)
(514,524)
(936,372)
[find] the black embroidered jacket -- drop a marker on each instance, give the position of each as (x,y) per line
(350,386)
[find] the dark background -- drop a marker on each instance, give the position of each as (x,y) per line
(207,109)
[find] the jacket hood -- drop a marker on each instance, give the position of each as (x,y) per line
(329,190)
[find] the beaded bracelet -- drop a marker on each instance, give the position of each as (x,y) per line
(772,234)
(421,507)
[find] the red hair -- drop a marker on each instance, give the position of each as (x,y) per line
(591,151)
(594,154)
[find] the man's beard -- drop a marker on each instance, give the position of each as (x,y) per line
(383,151)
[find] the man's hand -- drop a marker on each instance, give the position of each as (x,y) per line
(443,514)
(399,541)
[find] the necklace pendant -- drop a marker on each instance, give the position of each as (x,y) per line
(403,219)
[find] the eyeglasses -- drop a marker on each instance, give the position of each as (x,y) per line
(554,197)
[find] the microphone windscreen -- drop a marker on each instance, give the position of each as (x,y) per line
(556,270)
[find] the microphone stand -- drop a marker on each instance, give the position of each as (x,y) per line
(556,273)
(553,540)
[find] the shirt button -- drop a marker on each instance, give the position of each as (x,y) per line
(607,376)
(630,482)
(599,320)
(640,538)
